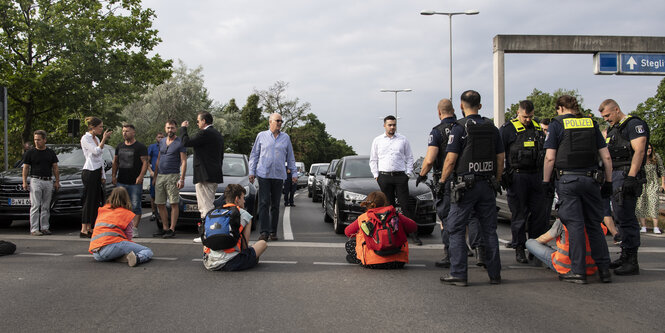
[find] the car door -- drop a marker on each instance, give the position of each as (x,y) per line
(333,185)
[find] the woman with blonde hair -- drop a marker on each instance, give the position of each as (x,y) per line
(92,175)
(112,236)
(647,203)
(380,235)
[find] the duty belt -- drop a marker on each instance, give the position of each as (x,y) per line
(476,177)
(525,170)
(576,173)
(391,173)
(41,178)
(625,168)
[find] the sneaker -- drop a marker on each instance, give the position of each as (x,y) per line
(36,233)
(159,233)
(169,234)
(135,232)
(656,230)
(153,217)
(131,259)
(643,230)
(48,232)
(197,240)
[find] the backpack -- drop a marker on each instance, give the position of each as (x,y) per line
(381,234)
(7,248)
(221,228)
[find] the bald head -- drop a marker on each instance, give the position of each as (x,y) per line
(275,122)
(445,108)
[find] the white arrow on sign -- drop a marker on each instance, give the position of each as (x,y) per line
(631,62)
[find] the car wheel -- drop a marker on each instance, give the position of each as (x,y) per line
(326,217)
(337,224)
(5,223)
(426,230)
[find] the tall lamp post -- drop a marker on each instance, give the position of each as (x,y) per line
(395,91)
(450,26)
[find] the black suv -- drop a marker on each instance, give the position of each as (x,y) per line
(66,202)
(352,181)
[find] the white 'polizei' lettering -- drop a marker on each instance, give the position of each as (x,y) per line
(481,166)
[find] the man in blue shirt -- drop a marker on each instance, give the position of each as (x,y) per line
(272,148)
(169,178)
(153,152)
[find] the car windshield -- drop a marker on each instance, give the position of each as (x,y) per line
(322,169)
(73,155)
(234,166)
(314,169)
(357,168)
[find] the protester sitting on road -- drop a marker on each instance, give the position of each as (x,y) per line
(381,222)
(558,259)
(241,256)
(112,235)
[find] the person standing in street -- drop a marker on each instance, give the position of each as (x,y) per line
(474,158)
(648,202)
(41,164)
(93,174)
(129,166)
(573,145)
(153,153)
(391,162)
(169,178)
(523,141)
(208,145)
(289,189)
(272,149)
(627,140)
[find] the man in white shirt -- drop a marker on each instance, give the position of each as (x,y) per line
(391,161)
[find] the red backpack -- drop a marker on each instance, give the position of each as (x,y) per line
(381,232)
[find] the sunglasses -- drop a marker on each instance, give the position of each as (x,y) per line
(279,121)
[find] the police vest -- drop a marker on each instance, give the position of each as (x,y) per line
(444,129)
(619,145)
(526,152)
(479,153)
(110,226)
(577,149)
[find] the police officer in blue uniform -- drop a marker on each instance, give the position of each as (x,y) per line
(475,160)
(573,145)
(523,141)
(627,139)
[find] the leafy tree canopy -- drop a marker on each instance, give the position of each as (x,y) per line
(652,111)
(544,103)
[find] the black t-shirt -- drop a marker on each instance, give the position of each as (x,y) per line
(129,161)
(40,161)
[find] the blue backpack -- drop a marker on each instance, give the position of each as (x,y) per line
(221,228)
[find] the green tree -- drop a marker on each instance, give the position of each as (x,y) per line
(251,122)
(312,144)
(543,104)
(274,99)
(70,58)
(652,111)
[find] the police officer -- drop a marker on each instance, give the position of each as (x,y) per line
(573,145)
(475,160)
(523,141)
(627,139)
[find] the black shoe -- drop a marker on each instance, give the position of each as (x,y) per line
(169,234)
(416,240)
(292,205)
(85,235)
(496,280)
(449,279)
(509,245)
(605,275)
(153,217)
(573,278)
(619,262)
(520,256)
(263,237)
(351,259)
(530,256)
(629,266)
(273,237)
(480,256)
(159,233)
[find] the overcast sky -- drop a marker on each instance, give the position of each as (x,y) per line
(337,55)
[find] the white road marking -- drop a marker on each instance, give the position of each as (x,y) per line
(40,254)
(286,224)
(332,263)
(199,259)
(83,255)
(415,265)
(165,258)
(277,262)
(144,215)
(525,267)
(654,269)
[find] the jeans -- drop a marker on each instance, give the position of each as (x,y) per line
(117,250)
(270,191)
(541,251)
(41,192)
(135,191)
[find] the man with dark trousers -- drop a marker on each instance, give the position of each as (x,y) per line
(523,141)
(475,160)
(208,146)
(289,189)
(391,162)
(573,145)
(627,139)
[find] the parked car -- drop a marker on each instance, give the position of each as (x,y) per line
(302,175)
(66,202)
(326,181)
(235,170)
(350,184)
(315,180)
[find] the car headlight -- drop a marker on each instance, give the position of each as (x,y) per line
(425,196)
(351,196)
(71,183)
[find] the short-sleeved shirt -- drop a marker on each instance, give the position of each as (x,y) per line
(215,260)
(40,161)
(457,138)
(129,161)
(169,156)
(435,137)
(153,153)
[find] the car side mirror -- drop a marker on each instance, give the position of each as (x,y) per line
(330,175)
(107,165)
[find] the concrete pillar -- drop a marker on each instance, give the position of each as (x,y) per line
(499,89)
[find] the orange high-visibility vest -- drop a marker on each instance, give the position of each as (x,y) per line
(369,257)
(110,226)
(561,258)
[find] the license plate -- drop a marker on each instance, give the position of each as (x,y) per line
(19,201)
(191,208)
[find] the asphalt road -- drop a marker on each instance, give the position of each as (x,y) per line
(53,285)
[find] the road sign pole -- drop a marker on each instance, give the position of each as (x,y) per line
(6,118)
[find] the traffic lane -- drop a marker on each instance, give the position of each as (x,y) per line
(308,294)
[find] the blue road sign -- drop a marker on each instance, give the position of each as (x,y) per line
(643,63)
(606,63)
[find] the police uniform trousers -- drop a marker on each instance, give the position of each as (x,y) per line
(480,199)
(580,207)
(443,209)
(525,200)
(624,214)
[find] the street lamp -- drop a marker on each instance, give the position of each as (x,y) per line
(395,91)
(450,25)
